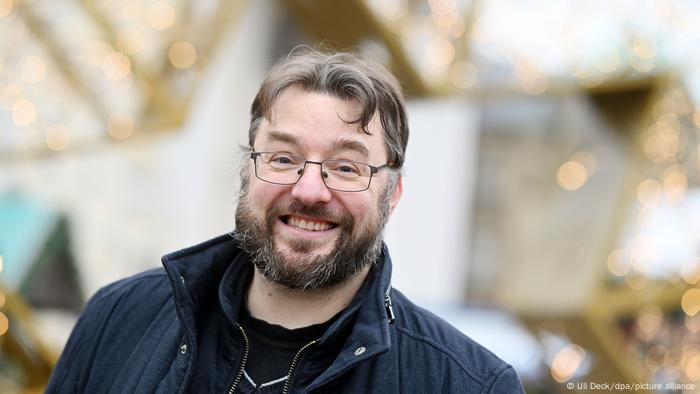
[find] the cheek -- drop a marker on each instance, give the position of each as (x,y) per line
(362,208)
(261,195)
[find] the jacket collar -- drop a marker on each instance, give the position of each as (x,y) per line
(196,273)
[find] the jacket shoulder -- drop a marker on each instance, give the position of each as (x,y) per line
(148,280)
(115,319)
(426,338)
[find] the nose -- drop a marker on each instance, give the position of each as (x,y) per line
(310,188)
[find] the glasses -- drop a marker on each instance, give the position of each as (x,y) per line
(340,175)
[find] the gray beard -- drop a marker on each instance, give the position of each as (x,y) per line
(354,248)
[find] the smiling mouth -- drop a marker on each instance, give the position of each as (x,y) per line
(307,224)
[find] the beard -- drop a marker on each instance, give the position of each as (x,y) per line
(354,249)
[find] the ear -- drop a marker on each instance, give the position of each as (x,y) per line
(396,195)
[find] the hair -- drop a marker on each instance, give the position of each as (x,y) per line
(346,76)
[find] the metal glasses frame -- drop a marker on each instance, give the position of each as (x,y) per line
(373,170)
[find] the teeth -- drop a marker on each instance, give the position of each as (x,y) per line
(310,226)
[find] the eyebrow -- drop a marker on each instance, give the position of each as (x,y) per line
(338,144)
(281,136)
(347,144)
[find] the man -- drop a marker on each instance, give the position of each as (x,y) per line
(298,297)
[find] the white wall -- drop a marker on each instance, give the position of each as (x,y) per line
(429,233)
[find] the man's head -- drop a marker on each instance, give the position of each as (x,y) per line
(316,224)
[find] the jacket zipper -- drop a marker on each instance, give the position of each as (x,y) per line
(239,375)
(295,361)
(297,357)
(388,306)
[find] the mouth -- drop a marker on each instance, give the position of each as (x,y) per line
(307,223)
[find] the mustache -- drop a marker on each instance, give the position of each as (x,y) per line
(314,211)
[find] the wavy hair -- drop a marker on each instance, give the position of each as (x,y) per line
(346,76)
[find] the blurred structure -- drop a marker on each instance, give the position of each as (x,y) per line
(552,171)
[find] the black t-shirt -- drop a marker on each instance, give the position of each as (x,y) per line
(273,347)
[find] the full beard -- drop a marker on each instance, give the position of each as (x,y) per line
(354,249)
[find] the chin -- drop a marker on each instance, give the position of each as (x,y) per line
(307,253)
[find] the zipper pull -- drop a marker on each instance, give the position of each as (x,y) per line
(389,309)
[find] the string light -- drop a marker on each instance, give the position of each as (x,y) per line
(6,7)
(182,54)
(649,192)
(692,368)
(58,137)
(120,125)
(566,362)
(24,113)
(690,303)
(116,66)
(160,15)
(4,324)
(649,321)
(618,262)
(572,175)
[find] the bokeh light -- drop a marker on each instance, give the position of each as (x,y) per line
(572,175)
(649,321)
(160,15)
(116,65)
(649,192)
(24,113)
(463,75)
(58,137)
(6,7)
(4,324)
(120,125)
(618,262)
(566,362)
(691,302)
(182,54)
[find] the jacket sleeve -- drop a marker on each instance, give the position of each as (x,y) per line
(71,372)
(507,382)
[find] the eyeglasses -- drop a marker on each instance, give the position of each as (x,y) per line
(340,175)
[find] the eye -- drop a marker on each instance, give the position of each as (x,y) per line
(344,168)
(347,169)
(280,159)
(283,160)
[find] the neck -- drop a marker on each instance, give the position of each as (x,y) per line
(292,309)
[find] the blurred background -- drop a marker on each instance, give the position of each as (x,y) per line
(551,208)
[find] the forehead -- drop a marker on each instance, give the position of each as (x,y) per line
(320,121)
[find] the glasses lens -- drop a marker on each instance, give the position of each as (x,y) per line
(346,175)
(278,167)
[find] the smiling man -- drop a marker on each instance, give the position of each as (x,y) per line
(298,297)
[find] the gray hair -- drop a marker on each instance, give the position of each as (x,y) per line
(346,76)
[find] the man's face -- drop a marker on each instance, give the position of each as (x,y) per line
(270,218)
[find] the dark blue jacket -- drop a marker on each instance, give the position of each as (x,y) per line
(155,333)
